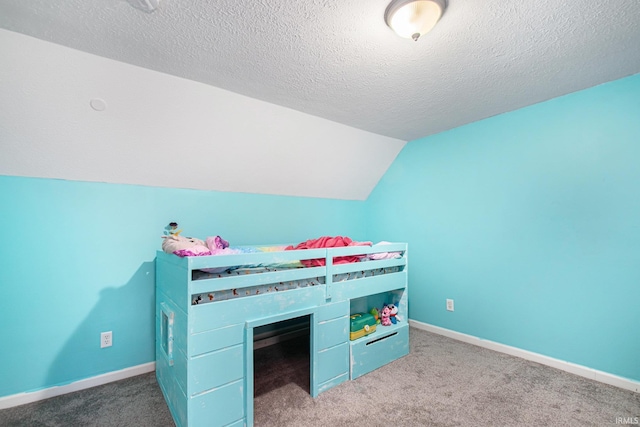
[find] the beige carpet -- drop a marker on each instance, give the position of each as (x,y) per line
(442,382)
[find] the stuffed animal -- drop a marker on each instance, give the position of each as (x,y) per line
(216,243)
(376,315)
(184,246)
(393,313)
(172,229)
(385,316)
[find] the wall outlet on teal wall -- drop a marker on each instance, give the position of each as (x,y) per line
(449,305)
(106,339)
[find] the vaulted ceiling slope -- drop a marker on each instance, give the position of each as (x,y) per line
(67,114)
(336,59)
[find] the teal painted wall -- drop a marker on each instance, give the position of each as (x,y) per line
(530,221)
(79,260)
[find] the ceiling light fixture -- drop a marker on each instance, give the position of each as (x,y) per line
(145,5)
(413,18)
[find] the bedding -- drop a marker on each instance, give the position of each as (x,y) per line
(383,255)
(188,246)
(329,242)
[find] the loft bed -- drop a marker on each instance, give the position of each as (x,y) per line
(212,311)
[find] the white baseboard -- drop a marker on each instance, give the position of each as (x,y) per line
(34,396)
(573,368)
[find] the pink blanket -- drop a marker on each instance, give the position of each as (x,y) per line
(328,242)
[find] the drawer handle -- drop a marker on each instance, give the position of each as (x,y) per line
(382,338)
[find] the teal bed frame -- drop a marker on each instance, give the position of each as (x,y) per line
(204,352)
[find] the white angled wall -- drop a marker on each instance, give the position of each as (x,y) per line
(160,130)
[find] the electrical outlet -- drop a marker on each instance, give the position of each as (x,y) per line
(106,339)
(449,305)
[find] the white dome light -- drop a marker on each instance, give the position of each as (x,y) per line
(413,18)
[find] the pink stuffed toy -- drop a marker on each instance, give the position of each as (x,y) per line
(385,315)
(184,246)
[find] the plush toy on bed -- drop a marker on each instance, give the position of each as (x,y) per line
(216,243)
(172,229)
(184,246)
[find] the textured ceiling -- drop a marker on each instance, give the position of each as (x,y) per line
(338,60)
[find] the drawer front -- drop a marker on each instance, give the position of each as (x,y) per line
(218,407)
(331,363)
(332,311)
(332,333)
(215,369)
(368,354)
(216,339)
